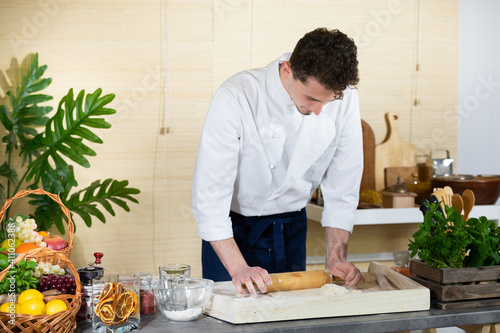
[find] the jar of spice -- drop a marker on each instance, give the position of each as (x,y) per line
(147,300)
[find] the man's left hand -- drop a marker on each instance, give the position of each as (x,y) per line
(346,271)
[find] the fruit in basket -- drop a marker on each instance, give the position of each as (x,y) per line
(25,247)
(34,306)
(55,306)
(65,284)
(6,307)
(25,230)
(29,294)
(46,268)
(11,242)
(55,242)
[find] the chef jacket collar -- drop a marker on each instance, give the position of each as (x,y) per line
(276,81)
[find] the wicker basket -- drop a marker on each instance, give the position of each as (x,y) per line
(60,322)
(54,260)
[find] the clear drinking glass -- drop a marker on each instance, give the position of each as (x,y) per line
(401,258)
(110,319)
(174,271)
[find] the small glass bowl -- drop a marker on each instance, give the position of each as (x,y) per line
(182,299)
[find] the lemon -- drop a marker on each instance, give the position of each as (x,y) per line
(33,307)
(55,306)
(11,242)
(29,294)
(6,307)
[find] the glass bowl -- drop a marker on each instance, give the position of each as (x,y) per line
(182,299)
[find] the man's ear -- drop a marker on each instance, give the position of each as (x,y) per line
(286,69)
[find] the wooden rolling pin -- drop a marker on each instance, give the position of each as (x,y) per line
(299,280)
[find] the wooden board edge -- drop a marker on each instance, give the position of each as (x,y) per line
(329,306)
(397,279)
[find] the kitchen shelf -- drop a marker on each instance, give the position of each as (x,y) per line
(379,216)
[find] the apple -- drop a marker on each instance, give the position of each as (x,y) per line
(55,242)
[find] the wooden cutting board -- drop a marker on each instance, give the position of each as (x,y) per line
(393,151)
(226,304)
(368,179)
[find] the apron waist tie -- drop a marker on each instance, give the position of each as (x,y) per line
(279,241)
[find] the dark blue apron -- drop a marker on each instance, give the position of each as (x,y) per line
(274,242)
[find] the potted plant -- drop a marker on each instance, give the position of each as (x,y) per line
(39,150)
(459,261)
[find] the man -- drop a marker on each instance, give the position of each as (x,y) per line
(271,136)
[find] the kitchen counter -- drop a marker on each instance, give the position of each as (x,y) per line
(392,322)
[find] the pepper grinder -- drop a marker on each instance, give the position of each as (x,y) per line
(87,274)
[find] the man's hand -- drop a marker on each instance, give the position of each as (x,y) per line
(250,275)
(346,271)
(241,273)
(337,241)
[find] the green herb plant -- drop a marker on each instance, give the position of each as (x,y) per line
(453,243)
(20,274)
(38,149)
(484,250)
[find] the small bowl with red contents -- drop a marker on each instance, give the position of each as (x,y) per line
(182,299)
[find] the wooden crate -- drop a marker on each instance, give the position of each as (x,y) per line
(454,288)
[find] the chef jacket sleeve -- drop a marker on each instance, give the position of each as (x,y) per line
(216,167)
(341,182)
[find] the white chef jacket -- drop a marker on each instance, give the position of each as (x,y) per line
(259,156)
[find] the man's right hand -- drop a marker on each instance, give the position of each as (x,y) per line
(241,273)
(247,276)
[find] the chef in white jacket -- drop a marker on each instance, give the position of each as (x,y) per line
(272,135)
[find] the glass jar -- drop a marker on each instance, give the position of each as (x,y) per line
(147,300)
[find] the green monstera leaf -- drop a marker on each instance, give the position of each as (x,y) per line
(47,146)
(64,135)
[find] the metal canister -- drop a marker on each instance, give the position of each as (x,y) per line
(442,166)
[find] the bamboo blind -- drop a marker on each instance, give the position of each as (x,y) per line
(164,59)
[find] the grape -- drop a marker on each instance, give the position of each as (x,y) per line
(52,276)
(64,290)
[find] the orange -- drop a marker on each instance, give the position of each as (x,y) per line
(107,291)
(43,233)
(124,305)
(25,247)
(136,304)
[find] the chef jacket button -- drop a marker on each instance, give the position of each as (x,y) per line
(271,166)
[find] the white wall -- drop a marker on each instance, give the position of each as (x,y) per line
(479,88)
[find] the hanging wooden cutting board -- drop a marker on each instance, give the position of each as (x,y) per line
(393,151)
(368,179)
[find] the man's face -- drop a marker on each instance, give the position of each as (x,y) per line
(309,97)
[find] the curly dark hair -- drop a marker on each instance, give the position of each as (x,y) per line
(329,56)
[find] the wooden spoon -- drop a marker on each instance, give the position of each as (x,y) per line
(469,201)
(449,192)
(457,202)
